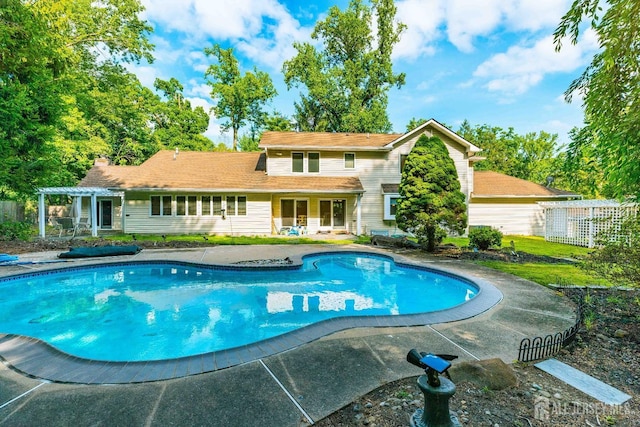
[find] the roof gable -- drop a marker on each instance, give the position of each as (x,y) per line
(468,147)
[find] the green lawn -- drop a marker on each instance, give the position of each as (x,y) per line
(542,273)
(545,274)
(533,245)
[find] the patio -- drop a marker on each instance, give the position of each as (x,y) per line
(294,387)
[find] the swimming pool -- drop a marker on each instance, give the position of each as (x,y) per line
(154,311)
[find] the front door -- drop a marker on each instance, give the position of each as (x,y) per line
(105,214)
(339,213)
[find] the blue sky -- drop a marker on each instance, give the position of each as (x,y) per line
(490,61)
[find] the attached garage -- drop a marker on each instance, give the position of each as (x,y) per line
(510,204)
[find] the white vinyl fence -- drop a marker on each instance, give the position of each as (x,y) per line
(579,222)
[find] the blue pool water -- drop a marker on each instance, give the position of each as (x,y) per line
(154,311)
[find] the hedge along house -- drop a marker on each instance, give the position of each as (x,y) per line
(320,182)
(512,205)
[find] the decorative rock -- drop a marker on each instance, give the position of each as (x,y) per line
(487,412)
(368,405)
(491,373)
(545,394)
(557,396)
(536,386)
(620,333)
(357,407)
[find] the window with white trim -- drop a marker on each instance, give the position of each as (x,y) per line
(211,205)
(313,162)
(297,162)
(349,160)
(390,205)
(181,205)
(236,205)
(160,206)
(205,208)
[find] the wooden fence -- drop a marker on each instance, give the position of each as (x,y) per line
(11,211)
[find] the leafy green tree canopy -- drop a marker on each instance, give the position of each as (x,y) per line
(347,82)
(176,123)
(238,98)
(610,87)
(533,156)
(431,202)
(54,56)
(30,96)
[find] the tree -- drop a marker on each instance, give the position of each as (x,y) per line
(532,156)
(176,124)
(414,123)
(347,82)
(30,97)
(582,166)
(431,202)
(610,87)
(239,98)
(278,122)
(618,257)
(54,53)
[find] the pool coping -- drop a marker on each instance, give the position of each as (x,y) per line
(37,359)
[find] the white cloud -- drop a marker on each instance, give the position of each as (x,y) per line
(261,29)
(534,15)
(422,19)
(519,68)
(198,89)
(467,19)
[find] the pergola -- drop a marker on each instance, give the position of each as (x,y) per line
(78,193)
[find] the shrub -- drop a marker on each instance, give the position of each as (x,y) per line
(485,237)
(15,230)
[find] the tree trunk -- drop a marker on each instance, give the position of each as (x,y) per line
(235,139)
(431,239)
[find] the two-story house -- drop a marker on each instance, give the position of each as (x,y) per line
(315,182)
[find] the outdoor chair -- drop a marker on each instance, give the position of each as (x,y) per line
(82,225)
(64,225)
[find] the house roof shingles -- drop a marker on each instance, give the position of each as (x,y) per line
(211,171)
(326,140)
(494,184)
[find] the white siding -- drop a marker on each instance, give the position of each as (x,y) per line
(331,164)
(116,220)
(375,169)
(139,219)
(510,218)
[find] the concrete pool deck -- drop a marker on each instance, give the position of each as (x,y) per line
(282,388)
